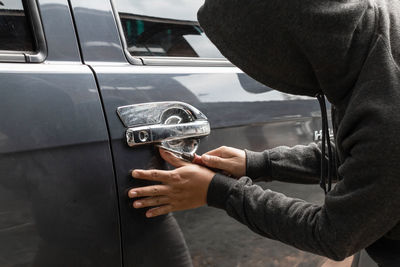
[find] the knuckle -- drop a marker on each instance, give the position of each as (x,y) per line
(154,174)
(155,190)
(216,159)
(169,176)
(174,176)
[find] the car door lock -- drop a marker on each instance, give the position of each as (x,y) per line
(175,125)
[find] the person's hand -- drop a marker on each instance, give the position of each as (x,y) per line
(228,159)
(183,188)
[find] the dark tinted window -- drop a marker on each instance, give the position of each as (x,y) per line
(149,32)
(15,30)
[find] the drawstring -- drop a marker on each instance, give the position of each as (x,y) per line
(325,142)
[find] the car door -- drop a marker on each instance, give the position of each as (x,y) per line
(58,204)
(155,54)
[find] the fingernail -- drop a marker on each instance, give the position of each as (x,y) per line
(132,194)
(149,214)
(135,173)
(137,204)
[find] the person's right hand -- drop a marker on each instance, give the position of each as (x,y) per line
(227,159)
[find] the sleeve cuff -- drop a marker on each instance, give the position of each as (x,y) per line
(258,164)
(219,190)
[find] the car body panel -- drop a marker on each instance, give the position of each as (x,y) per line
(57,187)
(97,31)
(62,45)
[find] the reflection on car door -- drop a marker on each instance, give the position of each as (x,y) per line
(58,204)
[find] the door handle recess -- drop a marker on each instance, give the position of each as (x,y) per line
(163,122)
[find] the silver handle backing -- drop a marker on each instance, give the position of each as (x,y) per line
(152,113)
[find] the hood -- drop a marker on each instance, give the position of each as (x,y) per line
(301,47)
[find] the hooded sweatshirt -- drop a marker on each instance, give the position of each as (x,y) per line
(348,50)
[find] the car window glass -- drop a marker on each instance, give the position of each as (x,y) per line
(164,28)
(15,30)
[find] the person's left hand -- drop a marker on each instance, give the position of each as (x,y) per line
(183,188)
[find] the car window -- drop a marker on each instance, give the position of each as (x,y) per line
(15,31)
(164,28)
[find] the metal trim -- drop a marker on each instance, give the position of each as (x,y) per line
(156,19)
(40,55)
(131,59)
(186,61)
(12,57)
(150,113)
(38,34)
(165,61)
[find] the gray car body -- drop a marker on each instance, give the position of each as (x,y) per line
(64,162)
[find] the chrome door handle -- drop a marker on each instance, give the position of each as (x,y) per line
(163,122)
(166,132)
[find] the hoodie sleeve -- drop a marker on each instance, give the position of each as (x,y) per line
(298,164)
(294,46)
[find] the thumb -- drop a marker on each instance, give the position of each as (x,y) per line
(214,162)
(172,159)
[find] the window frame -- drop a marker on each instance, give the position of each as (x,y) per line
(33,16)
(164,61)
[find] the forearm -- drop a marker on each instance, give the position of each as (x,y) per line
(298,164)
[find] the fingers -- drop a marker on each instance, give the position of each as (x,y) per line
(217,152)
(159,211)
(156,196)
(152,175)
(215,162)
(172,159)
(149,191)
(151,202)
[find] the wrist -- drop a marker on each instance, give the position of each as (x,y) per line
(218,190)
(257,164)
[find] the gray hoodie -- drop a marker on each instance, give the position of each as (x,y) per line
(349,50)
